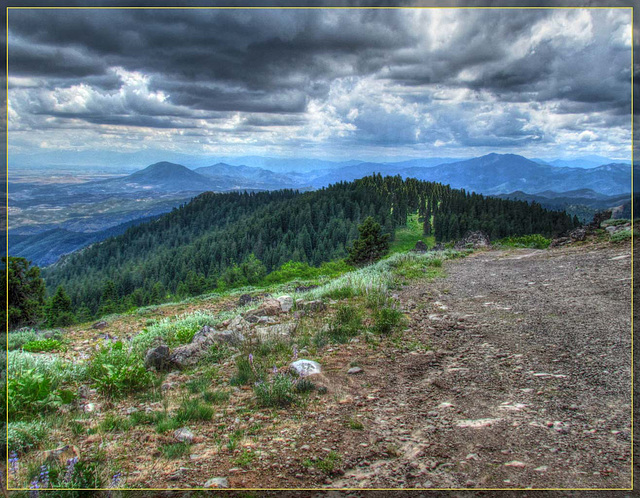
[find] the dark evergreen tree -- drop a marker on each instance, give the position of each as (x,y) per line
(370,246)
(26,292)
(59,312)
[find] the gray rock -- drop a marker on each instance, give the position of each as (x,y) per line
(579,234)
(99,325)
(286,303)
(305,367)
(316,305)
(273,332)
(238,324)
(245,299)
(269,307)
(158,358)
(355,370)
(473,240)
(184,435)
(420,247)
(217,482)
(192,353)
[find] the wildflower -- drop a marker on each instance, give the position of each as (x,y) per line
(13,461)
(44,476)
(251,359)
(116,479)
(295,353)
(275,369)
(71,465)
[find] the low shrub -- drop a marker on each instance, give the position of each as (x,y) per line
(346,324)
(329,463)
(117,371)
(43,345)
(25,436)
(622,236)
(15,340)
(614,222)
(279,392)
(386,320)
(216,397)
(247,371)
(535,241)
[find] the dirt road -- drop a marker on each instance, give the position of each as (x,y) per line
(527,384)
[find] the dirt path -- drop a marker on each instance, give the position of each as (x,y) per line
(528,383)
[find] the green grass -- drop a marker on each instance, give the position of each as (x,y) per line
(192,410)
(387,320)
(407,236)
(173,451)
(279,392)
(216,397)
(117,371)
(245,459)
(329,463)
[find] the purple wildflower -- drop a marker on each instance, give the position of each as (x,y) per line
(116,479)
(13,461)
(275,369)
(295,353)
(251,359)
(71,465)
(44,476)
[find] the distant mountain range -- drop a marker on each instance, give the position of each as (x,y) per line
(578,190)
(492,174)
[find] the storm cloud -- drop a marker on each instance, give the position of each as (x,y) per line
(365,83)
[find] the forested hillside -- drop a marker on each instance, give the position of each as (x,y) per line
(226,239)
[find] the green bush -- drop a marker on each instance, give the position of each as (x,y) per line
(15,340)
(34,392)
(386,320)
(329,463)
(347,323)
(117,371)
(280,392)
(621,236)
(535,241)
(247,372)
(25,436)
(614,222)
(43,345)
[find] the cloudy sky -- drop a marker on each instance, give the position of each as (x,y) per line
(337,84)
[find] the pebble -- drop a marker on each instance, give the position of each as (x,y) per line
(515,463)
(183,434)
(354,370)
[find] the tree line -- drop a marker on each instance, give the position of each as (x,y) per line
(219,241)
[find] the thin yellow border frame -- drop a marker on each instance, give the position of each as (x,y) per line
(321,8)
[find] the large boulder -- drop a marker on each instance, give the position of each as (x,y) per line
(158,358)
(269,307)
(473,240)
(275,332)
(420,247)
(286,303)
(192,353)
(316,305)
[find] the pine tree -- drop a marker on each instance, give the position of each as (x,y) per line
(26,292)
(370,246)
(59,312)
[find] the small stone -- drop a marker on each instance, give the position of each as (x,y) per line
(184,435)
(354,370)
(515,463)
(99,325)
(217,482)
(543,468)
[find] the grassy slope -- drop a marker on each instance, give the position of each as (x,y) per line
(406,237)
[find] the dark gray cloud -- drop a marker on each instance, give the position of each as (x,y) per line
(388,78)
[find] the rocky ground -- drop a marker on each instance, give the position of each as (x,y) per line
(528,383)
(514,372)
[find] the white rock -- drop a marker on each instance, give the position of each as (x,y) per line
(515,463)
(217,482)
(286,303)
(183,435)
(305,367)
